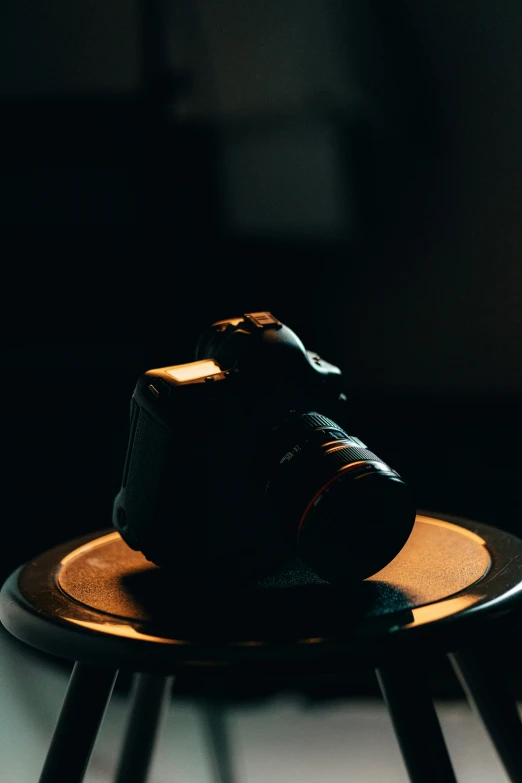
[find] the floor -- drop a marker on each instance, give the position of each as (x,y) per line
(283,740)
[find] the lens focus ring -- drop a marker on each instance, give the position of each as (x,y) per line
(309,451)
(317,420)
(344,527)
(347,454)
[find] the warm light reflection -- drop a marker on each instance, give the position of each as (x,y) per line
(124,630)
(311,640)
(460,530)
(436,611)
(193,370)
(434,564)
(90,545)
(225,321)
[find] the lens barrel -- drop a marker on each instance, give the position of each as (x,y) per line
(350,512)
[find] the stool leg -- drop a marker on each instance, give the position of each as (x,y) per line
(82,712)
(217,736)
(151,694)
(487,693)
(416,724)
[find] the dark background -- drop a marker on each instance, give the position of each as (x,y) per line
(355,168)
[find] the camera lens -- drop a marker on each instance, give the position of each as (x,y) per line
(351,513)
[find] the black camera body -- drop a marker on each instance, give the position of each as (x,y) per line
(239,461)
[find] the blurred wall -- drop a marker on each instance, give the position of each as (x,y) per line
(53,48)
(437,88)
(454,312)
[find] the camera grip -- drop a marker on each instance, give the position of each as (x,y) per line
(136,504)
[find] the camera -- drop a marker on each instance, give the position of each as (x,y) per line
(240,461)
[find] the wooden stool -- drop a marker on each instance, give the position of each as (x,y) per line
(98,603)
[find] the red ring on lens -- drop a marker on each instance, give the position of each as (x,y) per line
(325,486)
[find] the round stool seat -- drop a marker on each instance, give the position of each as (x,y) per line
(94,599)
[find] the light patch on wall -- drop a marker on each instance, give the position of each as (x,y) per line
(284,180)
